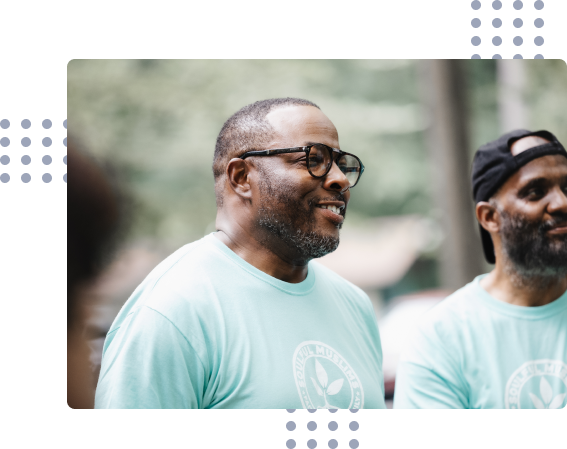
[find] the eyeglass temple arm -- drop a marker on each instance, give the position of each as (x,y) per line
(274,151)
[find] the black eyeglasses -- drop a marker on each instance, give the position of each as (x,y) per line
(320,160)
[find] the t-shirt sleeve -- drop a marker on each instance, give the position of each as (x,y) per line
(148,364)
(428,375)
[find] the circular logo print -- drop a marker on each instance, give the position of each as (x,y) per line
(324,379)
(537,384)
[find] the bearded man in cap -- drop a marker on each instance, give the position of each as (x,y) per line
(501,341)
(243,318)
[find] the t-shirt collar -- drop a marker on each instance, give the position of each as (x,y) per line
(534,313)
(301,288)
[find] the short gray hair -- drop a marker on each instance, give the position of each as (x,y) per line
(246,130)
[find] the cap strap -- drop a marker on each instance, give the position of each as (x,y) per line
(547,149)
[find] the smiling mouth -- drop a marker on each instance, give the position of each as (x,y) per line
(336,209)
(559,229)
(334,213)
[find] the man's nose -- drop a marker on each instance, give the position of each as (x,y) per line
(336,179)
(558,202)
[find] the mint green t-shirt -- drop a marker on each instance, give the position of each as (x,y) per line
(474,351)
(206,329)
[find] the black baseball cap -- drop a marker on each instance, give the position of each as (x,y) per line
(494,163)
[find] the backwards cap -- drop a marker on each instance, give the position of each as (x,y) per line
(494,163)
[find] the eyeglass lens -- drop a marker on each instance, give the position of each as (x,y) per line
(320,161)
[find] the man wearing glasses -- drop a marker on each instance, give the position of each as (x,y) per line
(243,318)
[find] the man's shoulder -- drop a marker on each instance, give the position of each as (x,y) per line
(330,277)
(453,313)
(181,276)
(342,289)
(440,333)
(188,264)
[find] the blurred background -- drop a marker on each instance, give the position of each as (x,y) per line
(410,237)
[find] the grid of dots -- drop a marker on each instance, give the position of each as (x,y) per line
(312,426)
(26,159)
(497,23)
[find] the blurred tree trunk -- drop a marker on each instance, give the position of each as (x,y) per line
(443,88)
(512,110)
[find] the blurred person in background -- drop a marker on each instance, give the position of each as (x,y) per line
(501,341)
(92,220)
(243,318)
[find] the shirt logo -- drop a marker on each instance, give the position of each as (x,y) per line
(537,384)
(324,379)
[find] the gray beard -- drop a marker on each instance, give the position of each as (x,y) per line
(533,257)
(293,224)
(310,244)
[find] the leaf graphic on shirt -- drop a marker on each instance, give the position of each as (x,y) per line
(335,387)
(321,374)
(557,401)
(319,391)
(537,402)
(545,390)
(547,400)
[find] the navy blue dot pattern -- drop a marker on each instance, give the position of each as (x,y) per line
(17,152)
(517,15)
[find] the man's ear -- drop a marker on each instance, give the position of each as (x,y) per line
(488,216)
(238,176)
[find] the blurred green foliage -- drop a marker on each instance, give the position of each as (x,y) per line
(157,122)
(547,96)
